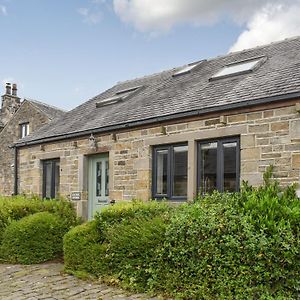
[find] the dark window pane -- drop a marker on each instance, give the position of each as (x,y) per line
(51,179)
(180,171)
(106,179)
(56,179)
(48,179)
(161,172)
(208,169)
(230,176)
(98,179)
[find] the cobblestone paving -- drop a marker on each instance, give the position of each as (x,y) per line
(48,282)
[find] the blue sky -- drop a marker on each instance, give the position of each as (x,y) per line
(64,52)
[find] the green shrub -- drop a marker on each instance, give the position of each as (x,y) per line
(127,211)
(83,250)
(243,245)
(132,248)
(34,239)
(233,246)
(117,242)
(15,208)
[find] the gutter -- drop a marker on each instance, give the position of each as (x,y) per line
(15,171)
(132,124)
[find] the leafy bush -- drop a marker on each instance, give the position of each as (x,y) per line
(233,246)
(84,251)
(132,248)
(244,245)
(127,211)
(118,241)
(15,208)
(34,239)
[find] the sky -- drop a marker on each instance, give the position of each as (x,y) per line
(63,52)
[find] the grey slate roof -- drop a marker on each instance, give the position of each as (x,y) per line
(167,97)
(50,111)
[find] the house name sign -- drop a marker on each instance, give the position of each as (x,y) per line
(75,196)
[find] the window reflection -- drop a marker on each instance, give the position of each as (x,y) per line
(208,156)
(106,179)
(48,179)
(51,178)
(180,171)
(229,152)
(218,166)
(161,172)
(98,178)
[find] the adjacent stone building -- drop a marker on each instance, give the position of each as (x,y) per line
(18,119)
(204,126)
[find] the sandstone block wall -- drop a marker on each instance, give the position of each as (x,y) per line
(9,135)
(268,135)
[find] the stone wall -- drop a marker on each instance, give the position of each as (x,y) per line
(268,135)
(9,135)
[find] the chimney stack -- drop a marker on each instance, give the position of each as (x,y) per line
(14,89)
(10,102)
(8,89)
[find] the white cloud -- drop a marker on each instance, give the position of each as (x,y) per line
(272,23)
(265,20)
(3,10)
(162,15)
(89,16)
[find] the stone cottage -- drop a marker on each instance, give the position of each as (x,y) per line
(204,126)
(17,120)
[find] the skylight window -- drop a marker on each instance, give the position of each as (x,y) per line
(109,101)
(238,68)
(186,69)
(118,97)
(129,90)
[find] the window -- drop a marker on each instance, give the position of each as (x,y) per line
(51,178)
(187,69)
(238,68)
(24,130)
(170,172)
(218,165)
(119,96)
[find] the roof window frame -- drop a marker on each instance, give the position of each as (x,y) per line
(188,68)
(260,60)
(119,96)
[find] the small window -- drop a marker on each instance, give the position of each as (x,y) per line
(24,130)
(187,69)
(51,174)
(170,172)
(238,68)
(109,101)
(119,96)
(218,165)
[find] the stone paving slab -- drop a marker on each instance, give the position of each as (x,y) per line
(47,282)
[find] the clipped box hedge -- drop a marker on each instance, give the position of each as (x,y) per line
(34,239)
(18,207)
(84,252)
(98,247)
(32,230)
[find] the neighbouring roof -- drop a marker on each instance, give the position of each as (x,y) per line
(164,96)
(50,111)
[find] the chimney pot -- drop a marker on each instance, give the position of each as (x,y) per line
(8,89)
(14,89)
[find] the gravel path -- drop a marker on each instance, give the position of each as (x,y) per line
(48,282)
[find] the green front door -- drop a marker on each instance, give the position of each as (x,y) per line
(98,183)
